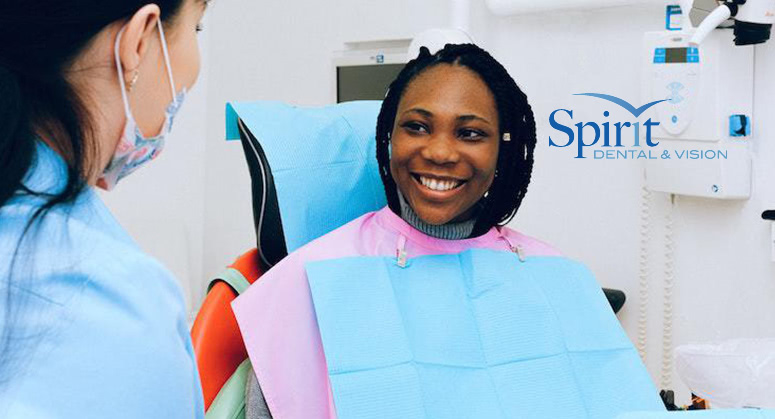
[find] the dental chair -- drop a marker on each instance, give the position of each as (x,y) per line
(221,356)
(313,151)
(215,334)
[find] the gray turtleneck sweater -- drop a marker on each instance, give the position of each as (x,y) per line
(449,231)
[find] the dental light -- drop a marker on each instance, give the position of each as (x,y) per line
(753,20)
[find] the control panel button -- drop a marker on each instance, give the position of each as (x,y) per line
(739,125)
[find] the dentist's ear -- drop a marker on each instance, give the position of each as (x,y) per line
(138,35)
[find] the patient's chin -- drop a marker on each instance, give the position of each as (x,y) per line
(435,216)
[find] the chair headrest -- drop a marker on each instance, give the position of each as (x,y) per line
(312,169)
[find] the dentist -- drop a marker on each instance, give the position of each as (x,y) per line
(90,326)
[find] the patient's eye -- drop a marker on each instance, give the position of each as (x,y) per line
(469,134)
(415,127)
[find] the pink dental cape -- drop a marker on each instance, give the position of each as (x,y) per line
(277,318)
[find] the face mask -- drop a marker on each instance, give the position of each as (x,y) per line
(133,149)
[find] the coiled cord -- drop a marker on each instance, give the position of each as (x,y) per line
(643,271)
(667,313)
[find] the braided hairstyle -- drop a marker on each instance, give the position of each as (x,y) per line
(515,157)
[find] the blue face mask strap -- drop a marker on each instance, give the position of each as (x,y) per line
(120,67)
(167,60)
(121,73)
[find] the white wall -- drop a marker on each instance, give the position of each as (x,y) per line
(282,50)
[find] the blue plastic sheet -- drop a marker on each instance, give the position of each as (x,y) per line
(474,335)
(323,161)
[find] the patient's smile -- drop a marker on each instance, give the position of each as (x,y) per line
(439,184)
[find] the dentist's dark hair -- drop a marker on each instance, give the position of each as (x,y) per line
(515,157)
(39,41)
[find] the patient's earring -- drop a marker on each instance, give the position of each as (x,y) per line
(506,136)
(131,84)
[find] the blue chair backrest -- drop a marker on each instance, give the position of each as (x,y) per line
(319,162)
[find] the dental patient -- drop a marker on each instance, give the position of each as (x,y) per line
(431,307)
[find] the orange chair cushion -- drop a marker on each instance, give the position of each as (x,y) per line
(215,335)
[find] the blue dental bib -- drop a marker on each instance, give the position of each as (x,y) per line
(478,334)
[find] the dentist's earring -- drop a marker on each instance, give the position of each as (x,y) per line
(506,136)
(131,84)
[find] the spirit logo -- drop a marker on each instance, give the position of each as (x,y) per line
(578,136)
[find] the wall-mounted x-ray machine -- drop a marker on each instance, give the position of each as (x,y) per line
(706,73)
(706,123)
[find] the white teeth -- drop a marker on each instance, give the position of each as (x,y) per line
(438,185)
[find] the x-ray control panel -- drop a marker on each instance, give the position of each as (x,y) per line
(707,112)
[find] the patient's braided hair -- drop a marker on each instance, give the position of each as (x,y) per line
(515,157)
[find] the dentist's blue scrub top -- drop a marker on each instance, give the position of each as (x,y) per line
(102,330)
